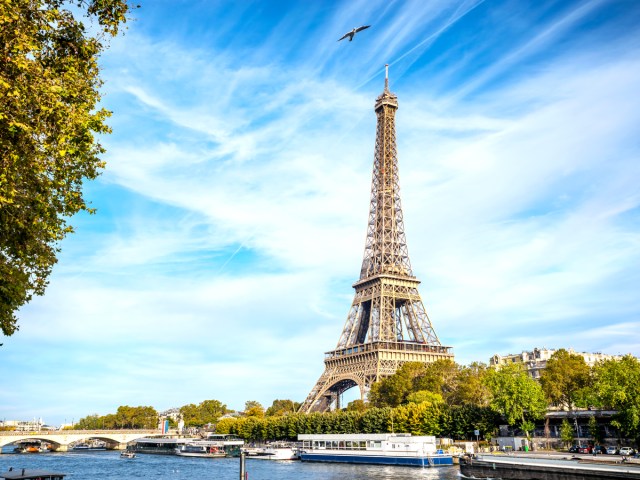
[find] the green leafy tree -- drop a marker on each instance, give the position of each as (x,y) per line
(567,433)
(393,390)
(49,82)
(594,430)
(90,422)
(527,427)
(206,412)
(190,415)
(515,395)
(281,407)
(439,377)
(210,411)
(357,406)
(565,380)
(470,388)
(425,396)
(616,385)
(225,425)
(136,417)
(460,421)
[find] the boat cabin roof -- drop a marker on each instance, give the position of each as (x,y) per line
(23,474)
(366,437)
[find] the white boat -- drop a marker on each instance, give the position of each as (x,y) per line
(128,454)
(202,448)
(380,448)
(86,447)
(24,474)
(275,451)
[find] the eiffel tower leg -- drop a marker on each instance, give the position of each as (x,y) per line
(316,400)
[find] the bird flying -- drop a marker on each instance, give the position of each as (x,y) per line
(353,32)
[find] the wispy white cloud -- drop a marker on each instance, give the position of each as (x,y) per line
(239,173)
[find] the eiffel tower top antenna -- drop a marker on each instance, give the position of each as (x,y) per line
(386,76)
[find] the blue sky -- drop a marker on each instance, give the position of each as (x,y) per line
(232,212)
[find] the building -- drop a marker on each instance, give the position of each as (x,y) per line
(34,425)
(536,360)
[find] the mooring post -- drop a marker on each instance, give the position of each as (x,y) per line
(243,472)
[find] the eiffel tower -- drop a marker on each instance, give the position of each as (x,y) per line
(387,324)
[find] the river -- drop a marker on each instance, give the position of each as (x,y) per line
(108,465)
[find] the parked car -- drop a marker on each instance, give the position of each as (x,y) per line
(584,449)
(601,449)
(574,448)
(612,450)
(627,451)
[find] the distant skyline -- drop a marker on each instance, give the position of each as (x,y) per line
(231,215)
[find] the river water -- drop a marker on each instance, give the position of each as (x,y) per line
(108,465)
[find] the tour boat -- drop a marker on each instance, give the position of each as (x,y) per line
(275,451)
(24,474)
(201,448)
(96,445)
(380,448)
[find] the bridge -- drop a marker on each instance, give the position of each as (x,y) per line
(61,439)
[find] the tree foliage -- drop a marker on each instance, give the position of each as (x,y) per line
(470,386)
(205,413)
(281,407)
(515,395)
(567,432)
(49,82)
(617,386)
(253,409)
(443,379)
(565,379)
(126,417)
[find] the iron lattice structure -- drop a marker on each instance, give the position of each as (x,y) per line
(387,324)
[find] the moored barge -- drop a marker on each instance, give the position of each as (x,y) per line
(380,448)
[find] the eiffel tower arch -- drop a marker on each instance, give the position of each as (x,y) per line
(387,324)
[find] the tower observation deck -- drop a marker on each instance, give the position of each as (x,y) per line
(387,324)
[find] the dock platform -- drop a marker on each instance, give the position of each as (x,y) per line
(543,468)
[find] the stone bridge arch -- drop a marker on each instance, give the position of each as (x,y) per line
(60,440)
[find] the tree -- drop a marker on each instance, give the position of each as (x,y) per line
(470,388)
(566,432)
(439,377)
(281,407)
(425,396)
(253,409)
(393,390)
(205,413)
(225,425)
(616,385)
(594,430)
(190,415)
(515,395)
(49,81)
(90,422)
(565,379)
(357,405)
(211,411)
